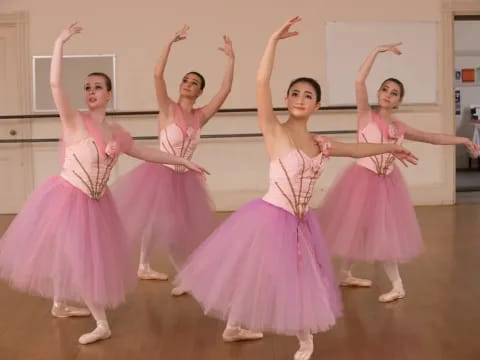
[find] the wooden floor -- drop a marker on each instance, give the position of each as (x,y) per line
(439,318)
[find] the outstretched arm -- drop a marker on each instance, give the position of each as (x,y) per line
(149,154)
(440,139)
(361,150)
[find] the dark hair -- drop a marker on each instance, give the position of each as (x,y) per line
(398,82)
(107,79)
(202,79)
(314,83)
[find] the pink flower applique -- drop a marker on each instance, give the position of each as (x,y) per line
(111,149)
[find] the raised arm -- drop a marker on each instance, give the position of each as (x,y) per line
(440,139)
(212,107)
(361,94)
(68,113)
(266,117)
(163,100)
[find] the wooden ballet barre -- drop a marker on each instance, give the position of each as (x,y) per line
(130,113)
(206,136)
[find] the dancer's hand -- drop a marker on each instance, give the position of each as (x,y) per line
(473,149)
(323,143)
(194,167)
(180,34)
(404,155)
(390,47)
(67,33)
(284,32)
(227,47)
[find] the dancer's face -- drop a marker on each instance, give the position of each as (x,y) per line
(190,87)
(389,95)
(301,100)
(96,93)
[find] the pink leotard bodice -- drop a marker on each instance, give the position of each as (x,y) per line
(87,164)
(178,138)
(292,178)
(379,132)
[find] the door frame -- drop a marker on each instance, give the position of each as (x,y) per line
(450,9)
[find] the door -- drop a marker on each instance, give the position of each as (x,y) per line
(15,158)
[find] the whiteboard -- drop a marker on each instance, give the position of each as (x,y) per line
(349,43)
(75,70)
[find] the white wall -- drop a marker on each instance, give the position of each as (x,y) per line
(136,32)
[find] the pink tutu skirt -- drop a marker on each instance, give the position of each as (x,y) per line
(265,269)
(67,246)
(164,209)
(370,217)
